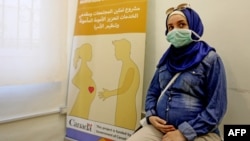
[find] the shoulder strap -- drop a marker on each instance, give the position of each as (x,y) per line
(170,82)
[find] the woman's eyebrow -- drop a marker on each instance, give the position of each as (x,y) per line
(177,22)
(181,21)
(169,24)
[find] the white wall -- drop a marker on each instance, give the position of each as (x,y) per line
(227,29)
(44,128)
(38,119)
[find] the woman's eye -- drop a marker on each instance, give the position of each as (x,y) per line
(170,28)
(181,25)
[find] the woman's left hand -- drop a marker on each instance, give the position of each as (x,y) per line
(174,136)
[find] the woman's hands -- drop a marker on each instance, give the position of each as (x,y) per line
(170,132)
(161,124)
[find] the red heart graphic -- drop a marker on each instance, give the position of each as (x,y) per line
(91,89)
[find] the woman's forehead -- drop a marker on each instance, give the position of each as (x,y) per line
(176,18)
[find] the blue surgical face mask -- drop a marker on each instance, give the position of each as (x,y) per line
(181,37)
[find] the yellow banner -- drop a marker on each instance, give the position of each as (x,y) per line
(106,70)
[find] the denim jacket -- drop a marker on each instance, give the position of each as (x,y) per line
(196,102)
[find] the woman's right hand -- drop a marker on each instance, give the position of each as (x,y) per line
(161,124)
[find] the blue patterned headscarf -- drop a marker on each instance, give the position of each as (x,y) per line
(181,59)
